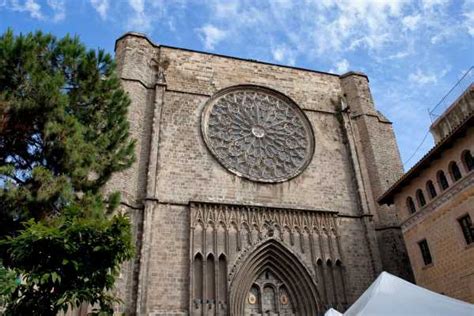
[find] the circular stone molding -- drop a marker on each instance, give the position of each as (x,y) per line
(257,133)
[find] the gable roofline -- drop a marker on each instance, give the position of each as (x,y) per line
(141,35)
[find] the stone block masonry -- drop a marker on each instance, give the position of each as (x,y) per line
(307,243)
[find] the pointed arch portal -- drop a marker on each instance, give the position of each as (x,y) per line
(294,279)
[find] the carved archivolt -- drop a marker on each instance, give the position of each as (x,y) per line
(229,236)
(258,134)
(273,258)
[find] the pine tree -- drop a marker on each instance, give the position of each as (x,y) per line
(63,133)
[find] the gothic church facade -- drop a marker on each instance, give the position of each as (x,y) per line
(255,186)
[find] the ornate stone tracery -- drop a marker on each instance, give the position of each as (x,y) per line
(258,134)
(259,237)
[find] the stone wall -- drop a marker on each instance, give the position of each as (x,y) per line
(355,159)
(380,166)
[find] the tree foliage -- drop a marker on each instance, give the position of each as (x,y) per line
(63,133)
(7,284)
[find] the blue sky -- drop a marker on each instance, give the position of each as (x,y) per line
(412,51)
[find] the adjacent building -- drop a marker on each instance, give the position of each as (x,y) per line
(435,203)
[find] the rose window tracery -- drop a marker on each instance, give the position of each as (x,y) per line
(258,134)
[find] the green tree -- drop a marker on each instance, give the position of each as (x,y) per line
(63,133)
(7,284)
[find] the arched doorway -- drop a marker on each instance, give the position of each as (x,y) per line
(271,280)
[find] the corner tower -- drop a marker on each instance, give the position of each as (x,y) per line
(380,166)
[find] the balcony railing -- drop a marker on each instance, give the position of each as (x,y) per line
(457,90)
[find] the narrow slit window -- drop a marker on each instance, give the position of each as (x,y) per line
(425,252)
(467,228)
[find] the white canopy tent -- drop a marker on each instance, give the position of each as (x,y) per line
(392,296)
(332,312)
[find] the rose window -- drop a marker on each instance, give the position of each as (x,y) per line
(258,134)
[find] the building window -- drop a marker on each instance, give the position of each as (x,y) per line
(425,252)
(410,205)
(421,198)
(468,160)
(431,189)
(442,181)
(467,228)
(455,172)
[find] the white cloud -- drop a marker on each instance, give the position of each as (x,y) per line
(341,67)
(137,5)
(468,13)
(423,78)
(360,24)
(332,29)
(101,6)
(429,4)
(30,6)
(59,9)
(284,54)
(278,54)
(211,36)
(400,54)
(469,24)
(139,20)
(225,8)
(317,28)
(411,22)
(33,8)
